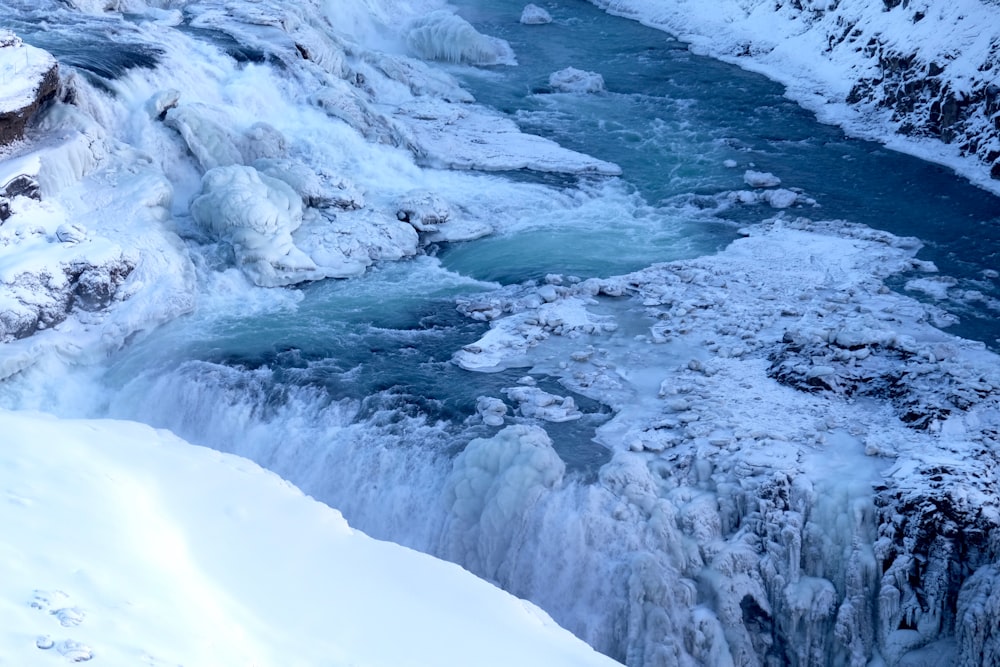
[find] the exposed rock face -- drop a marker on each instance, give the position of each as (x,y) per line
(37,84)
(926,101)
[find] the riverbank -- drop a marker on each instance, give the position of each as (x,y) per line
(918,77)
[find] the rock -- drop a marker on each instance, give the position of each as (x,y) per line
(30,81)
(535,15)
(33,301)
(572,80)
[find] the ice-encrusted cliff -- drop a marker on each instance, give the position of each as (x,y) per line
(925,71)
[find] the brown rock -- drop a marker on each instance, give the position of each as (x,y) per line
(12,123)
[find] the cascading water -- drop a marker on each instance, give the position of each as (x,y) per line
(709,534)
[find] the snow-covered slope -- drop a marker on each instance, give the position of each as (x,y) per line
(126,545)
(913,74)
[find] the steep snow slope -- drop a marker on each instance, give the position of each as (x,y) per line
(919,75)
(125,545)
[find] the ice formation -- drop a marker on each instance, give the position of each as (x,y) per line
(572,80)
(256,214)
(444,35)
(535,15)
(770,513)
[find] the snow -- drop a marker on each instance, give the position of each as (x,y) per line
(22,68)
(821,50)
(125,545)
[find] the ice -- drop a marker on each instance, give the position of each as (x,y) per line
(256,214)
(492,484)
(473,137)
(534,402)
(443,35)
(535,15)
(572,80)
(760,179)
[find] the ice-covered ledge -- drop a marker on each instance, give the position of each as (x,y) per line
(29,77)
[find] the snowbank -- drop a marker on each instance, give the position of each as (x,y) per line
(127,545)
(918,76)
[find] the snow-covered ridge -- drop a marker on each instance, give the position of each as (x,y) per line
(126,545)
(919,75)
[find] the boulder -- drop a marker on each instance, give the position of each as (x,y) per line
(29,79)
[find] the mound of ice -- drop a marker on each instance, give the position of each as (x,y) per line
(256,214)
(780,198)
(760,179)
(492,483)
(572,80)
(442,35)
(534,402)
(491,410)
(535,15)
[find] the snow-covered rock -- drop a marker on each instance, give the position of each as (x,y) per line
(572,80)
(535,15)
(29,78)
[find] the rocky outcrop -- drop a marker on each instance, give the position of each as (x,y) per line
(34,82)
(927,102)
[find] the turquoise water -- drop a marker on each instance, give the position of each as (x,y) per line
(671,118)
(347,388)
